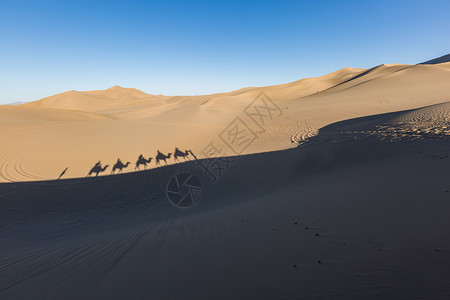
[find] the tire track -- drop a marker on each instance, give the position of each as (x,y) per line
(306,131)
(12,157)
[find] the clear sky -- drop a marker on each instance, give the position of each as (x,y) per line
(197,47)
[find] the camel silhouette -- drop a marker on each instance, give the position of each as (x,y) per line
(163,157)
(119,166)
(179,153)
(142,161)
(97,169)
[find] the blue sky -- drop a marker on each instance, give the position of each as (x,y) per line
(198,47)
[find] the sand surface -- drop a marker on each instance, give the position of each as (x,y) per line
(335,186)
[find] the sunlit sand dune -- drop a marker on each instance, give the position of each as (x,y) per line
(124,123)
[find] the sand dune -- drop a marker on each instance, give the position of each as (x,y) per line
(290,232)
(339,189)
(92,100)
(123,123)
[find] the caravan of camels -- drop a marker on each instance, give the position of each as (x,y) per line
(142,161)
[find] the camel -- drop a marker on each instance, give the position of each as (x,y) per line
(142,161)
(179,153)
(97,169)
(163,157)
(119,165)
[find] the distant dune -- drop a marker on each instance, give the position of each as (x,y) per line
(328,187)
(16,103)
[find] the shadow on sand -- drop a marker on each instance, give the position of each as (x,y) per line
(338,181)
(142,196)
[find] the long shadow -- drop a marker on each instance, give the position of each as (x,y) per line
(119,166)
(162,157)
(62,173)
(96,169)
(142,161)
(109,202)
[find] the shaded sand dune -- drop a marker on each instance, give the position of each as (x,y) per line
(336,216)
(439,60)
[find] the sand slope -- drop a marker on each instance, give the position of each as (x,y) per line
(123,123)
(337,216)
(342,192)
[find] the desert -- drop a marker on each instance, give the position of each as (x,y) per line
(300,190)
(197,150)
